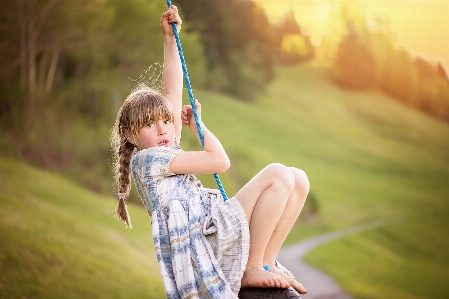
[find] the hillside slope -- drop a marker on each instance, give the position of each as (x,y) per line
(366,155)
(61,241)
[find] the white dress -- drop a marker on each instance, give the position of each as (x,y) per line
(201,242)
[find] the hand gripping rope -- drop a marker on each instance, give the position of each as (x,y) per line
(192,100)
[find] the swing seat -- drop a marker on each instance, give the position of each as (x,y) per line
(268,293)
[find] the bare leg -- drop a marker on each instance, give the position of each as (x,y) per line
(264,199)
(291,212)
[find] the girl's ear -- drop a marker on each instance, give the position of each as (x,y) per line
(131,139)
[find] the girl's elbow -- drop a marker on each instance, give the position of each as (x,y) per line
(227,164)
(224,165)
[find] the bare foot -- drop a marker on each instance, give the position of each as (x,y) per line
(296,285)
(258,277)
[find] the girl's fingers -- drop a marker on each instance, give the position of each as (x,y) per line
(186,114)
(177,20)
(186,109)
(173,17)
(173,8)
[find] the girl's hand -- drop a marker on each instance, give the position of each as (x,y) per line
(187,117)
(169,17)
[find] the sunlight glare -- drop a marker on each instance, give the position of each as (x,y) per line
(421,26)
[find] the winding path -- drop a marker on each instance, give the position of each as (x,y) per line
(318,284)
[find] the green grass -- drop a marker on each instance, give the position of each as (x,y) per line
(366,155)
(61,241)
(375,158)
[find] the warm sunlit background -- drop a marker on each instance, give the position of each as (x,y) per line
(422,26)
(355,93)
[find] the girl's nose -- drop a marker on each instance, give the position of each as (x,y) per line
(161,129)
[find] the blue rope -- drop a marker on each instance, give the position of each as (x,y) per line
(192,100)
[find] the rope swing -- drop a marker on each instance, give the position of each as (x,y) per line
(192,99)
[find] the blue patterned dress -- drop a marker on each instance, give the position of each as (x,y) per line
(201,242)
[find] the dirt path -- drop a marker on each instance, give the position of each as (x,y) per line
(318,284)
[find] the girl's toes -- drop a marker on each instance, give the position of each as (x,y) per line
(302,289)
(277,283)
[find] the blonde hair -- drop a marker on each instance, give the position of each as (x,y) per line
(143,106)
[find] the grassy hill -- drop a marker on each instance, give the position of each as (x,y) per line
(60,241)
(375,158)
(367,157)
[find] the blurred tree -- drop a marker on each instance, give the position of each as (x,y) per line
(242,47)
(30,50)
(294,40)
(370,56)
(442,71)
(66,66)
(355,66)
(91,46)
(227,32)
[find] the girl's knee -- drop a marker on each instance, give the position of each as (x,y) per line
(302,184)
(281,175)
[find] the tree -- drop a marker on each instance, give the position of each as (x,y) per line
(66,66)
(355,66)
(293,39)
(241,46)
(31,44)
(370,56)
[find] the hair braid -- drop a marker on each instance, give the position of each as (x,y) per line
(124,179)
(141,107)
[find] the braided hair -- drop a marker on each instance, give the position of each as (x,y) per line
(143,106)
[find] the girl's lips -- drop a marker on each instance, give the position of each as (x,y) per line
(163,142)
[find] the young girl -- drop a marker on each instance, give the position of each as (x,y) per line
(202,242)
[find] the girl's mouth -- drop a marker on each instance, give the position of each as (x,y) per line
(163,143)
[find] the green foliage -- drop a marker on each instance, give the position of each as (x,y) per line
(293,39)
(86,57)
(87,51)
(71,80)
(242,47)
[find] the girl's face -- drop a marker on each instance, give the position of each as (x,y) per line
(158,133)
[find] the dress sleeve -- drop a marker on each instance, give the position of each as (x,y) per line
(155,161)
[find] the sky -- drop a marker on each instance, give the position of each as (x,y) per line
(422,26)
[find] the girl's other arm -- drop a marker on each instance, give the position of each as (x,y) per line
(212,159)
(172,76)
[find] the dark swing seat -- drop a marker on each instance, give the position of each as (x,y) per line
(268,293)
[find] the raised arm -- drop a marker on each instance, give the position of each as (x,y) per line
(172,76)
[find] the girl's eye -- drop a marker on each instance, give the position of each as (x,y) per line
(166,121)
(150,125)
